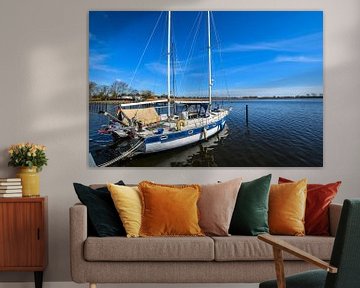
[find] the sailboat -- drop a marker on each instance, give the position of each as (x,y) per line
(143,130)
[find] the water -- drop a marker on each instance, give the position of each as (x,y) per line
(280,133)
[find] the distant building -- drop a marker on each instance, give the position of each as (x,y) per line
(126,97)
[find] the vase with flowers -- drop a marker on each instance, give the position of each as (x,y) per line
(30,158)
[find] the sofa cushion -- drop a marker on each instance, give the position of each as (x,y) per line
(127,201)
(149,249)
(216,206)
(245,248)
(102,216)
(250,215)
(169,210)
(318,199)
(287,204)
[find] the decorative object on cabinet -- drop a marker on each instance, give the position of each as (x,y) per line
(30,158)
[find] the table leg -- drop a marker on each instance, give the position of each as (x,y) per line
(38,279)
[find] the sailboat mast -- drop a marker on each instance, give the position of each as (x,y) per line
(209,52)
(168,62)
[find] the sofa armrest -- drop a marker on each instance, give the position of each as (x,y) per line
(78,235)
(334,217)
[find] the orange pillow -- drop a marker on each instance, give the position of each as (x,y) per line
(169,210)
(287,204)
(318,200)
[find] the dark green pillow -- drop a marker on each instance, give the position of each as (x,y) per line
(250,216)
(103,218)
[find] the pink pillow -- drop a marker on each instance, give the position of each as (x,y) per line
(216,206)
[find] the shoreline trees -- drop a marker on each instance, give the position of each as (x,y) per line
(120,90)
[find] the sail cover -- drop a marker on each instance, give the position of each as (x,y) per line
(146,116)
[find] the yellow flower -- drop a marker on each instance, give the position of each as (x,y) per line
(27,152)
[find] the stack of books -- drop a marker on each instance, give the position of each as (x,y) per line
(10,187)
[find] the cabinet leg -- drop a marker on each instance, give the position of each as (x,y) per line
(38,279)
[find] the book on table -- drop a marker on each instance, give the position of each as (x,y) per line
(10,183)
(2,188)
(11,191)
(9,180)
(10,195)
(10,187)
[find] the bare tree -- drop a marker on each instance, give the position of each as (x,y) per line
(93,89)
(119,88)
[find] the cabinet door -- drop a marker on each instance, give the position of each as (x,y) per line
(21,234)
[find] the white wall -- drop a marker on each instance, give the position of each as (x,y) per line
(43,88)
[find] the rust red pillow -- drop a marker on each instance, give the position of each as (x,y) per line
(319,197)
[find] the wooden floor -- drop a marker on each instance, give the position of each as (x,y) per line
(74,285)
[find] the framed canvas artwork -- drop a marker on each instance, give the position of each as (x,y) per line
(205,88)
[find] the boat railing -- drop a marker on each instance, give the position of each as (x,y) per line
(200,122)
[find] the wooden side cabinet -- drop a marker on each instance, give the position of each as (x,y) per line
(23,235)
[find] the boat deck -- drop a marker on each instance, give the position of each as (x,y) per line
(168,127)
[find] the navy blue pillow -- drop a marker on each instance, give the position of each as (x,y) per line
(103,218)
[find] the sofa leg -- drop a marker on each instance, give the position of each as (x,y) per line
(92,285)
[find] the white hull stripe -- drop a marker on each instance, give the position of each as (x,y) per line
(191,136)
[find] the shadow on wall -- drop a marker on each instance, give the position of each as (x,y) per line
(44,54)
(4,159)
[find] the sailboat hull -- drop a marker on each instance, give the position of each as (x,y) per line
(178,139)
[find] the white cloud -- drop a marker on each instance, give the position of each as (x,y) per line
(95,39)
(270,91)
(97,62)
(161,68)
(266,65)
(306,42)
(157,67)
(242,68)
(301,59)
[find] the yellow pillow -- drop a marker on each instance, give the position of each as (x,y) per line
(169,210)
(127,201)
(287,204)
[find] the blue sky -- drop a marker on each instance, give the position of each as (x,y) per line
(254,53)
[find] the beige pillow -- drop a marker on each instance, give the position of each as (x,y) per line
(216,206)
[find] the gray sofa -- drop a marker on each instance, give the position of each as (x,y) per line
(234,259)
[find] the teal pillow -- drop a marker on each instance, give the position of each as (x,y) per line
(250,216)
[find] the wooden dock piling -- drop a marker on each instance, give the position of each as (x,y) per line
(247,114)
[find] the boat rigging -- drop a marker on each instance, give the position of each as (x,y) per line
(144,130)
